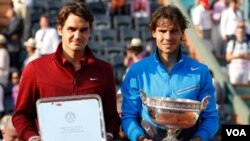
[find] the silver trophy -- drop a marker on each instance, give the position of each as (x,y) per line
(173,113)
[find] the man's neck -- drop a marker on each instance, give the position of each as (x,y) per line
(74,58)
(169,60)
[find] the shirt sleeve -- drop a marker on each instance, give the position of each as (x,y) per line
(209,117)
(131,106)
(24,118)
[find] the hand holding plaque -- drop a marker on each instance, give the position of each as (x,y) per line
(71,118)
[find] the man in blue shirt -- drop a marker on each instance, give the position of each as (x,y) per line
(167,73)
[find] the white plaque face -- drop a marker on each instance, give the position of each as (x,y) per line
(75,118)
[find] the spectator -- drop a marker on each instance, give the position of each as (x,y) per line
(30,45)
(192,7)
(140,8)
(117,7)
(15,80)
(229,20)
(23,8)
(238,54)
(4,71)
(4,62)
(3,121)
(46,37)
(135,52)
(13,33)
(203,23)
(8,130)
(217,9)
(162,2)
(2,92)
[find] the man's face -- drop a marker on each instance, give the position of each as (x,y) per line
(168,36)
(75,33)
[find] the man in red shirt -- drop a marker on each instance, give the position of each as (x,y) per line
(71,70)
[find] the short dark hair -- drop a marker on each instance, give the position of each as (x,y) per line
(77,8)
(171,13)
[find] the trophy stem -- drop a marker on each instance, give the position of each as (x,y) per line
(171,136)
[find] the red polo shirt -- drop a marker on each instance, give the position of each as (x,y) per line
(53,75)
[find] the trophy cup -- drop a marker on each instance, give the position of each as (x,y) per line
(173,113)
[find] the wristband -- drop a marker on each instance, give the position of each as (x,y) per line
(109,135)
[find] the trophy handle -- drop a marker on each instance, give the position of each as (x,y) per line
(204,102)
(143,96)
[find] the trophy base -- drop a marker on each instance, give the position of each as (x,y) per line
(172,133)
(170,138)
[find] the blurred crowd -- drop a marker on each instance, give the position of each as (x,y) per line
(222,27)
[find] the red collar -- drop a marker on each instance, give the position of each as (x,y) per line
(88,57)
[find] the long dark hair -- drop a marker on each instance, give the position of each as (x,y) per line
(171,13)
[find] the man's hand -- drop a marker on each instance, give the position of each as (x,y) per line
(196,139)
(142,138)
(109,137)
(147,139)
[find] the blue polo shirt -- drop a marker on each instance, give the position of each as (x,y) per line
(187,79)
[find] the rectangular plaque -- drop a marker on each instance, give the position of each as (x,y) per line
(75,118)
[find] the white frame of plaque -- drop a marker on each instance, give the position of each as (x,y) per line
(75,118)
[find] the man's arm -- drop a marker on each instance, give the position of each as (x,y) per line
(131,107)
(24,118)
(209,117)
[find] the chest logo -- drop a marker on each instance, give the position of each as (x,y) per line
(193,69)
(93,78)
